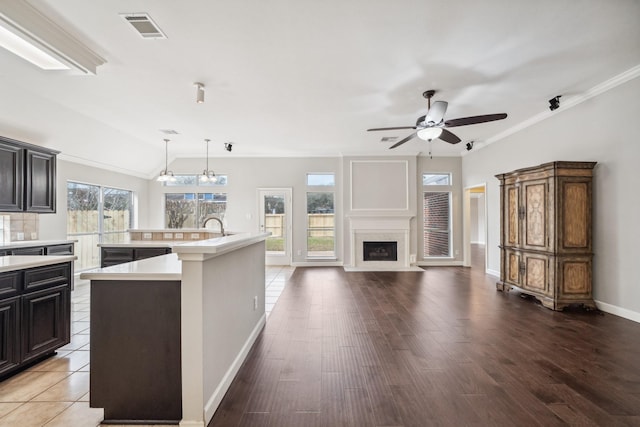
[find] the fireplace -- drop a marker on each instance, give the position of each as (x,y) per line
(380,251)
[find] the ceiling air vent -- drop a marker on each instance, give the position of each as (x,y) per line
(169,132)
(144,25)
(388,139)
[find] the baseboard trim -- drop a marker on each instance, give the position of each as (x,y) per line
(618,311)
(215,399)
(317,264)
(440,263)
(492,272)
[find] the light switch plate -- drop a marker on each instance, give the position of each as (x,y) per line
(147,236)
(179,236)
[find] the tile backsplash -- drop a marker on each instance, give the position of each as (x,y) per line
(19,226)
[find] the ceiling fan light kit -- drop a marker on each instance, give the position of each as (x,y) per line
(428,134)
(433,125)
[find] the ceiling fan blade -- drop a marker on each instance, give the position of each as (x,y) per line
(402,141)
(436,113)
(474,119)
(449,137)
(394,128)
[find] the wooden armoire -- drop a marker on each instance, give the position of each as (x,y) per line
(545,233)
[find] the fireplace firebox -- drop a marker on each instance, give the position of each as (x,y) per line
(380,251)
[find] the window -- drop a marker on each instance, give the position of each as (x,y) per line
(437,224)
(188,210)
(321,179)
(96,215)
(321,217)
(436,179)
(190,180)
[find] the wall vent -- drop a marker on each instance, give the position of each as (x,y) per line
(144,25)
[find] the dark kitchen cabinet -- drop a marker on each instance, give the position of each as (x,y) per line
(40,183)
(35,314)
(118,255)
(64,249)
(45,326)
(37,250)
(11,177)
(9,334)
(27,177)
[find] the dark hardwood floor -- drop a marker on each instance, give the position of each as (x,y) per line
(439,347)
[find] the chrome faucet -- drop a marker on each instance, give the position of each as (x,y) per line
(209,218)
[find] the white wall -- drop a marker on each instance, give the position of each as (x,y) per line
(477,218)
(603,129)
(54,226)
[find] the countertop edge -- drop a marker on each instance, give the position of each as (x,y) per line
(23,262)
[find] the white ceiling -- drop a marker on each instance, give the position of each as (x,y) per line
(307,77)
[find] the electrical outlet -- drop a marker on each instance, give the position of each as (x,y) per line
(168,236)
(147,236)
(299,252)
(255,303)
(179,236)
(34,235)
(195,236)
(20,235)
(457,252)
(412,258)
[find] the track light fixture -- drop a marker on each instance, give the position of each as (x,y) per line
(554,103)
(166,174)
(469,145)
(228,146)
(199,92)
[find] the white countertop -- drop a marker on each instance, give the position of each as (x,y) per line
(163,267)
(20,262)
(29,243)
(218,245)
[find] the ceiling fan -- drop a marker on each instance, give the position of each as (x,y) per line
(432,125)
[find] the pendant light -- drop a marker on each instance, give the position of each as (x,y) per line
(166,174)
(207,174)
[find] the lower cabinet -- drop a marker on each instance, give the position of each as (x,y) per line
(35,314)
(118,255)
(44,324)
(9,334)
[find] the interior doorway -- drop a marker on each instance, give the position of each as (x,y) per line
(475,227)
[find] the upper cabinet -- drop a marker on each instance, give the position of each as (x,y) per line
(11,177)
(27,177)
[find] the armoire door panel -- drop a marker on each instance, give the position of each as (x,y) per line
(536,273)
(512,205)
(575,210)
(535,207)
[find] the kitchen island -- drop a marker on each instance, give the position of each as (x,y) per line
(169,333)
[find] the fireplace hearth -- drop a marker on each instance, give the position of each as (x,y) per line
(380,251)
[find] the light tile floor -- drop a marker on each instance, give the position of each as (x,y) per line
(55,392)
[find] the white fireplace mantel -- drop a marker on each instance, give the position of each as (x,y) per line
(378,227)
